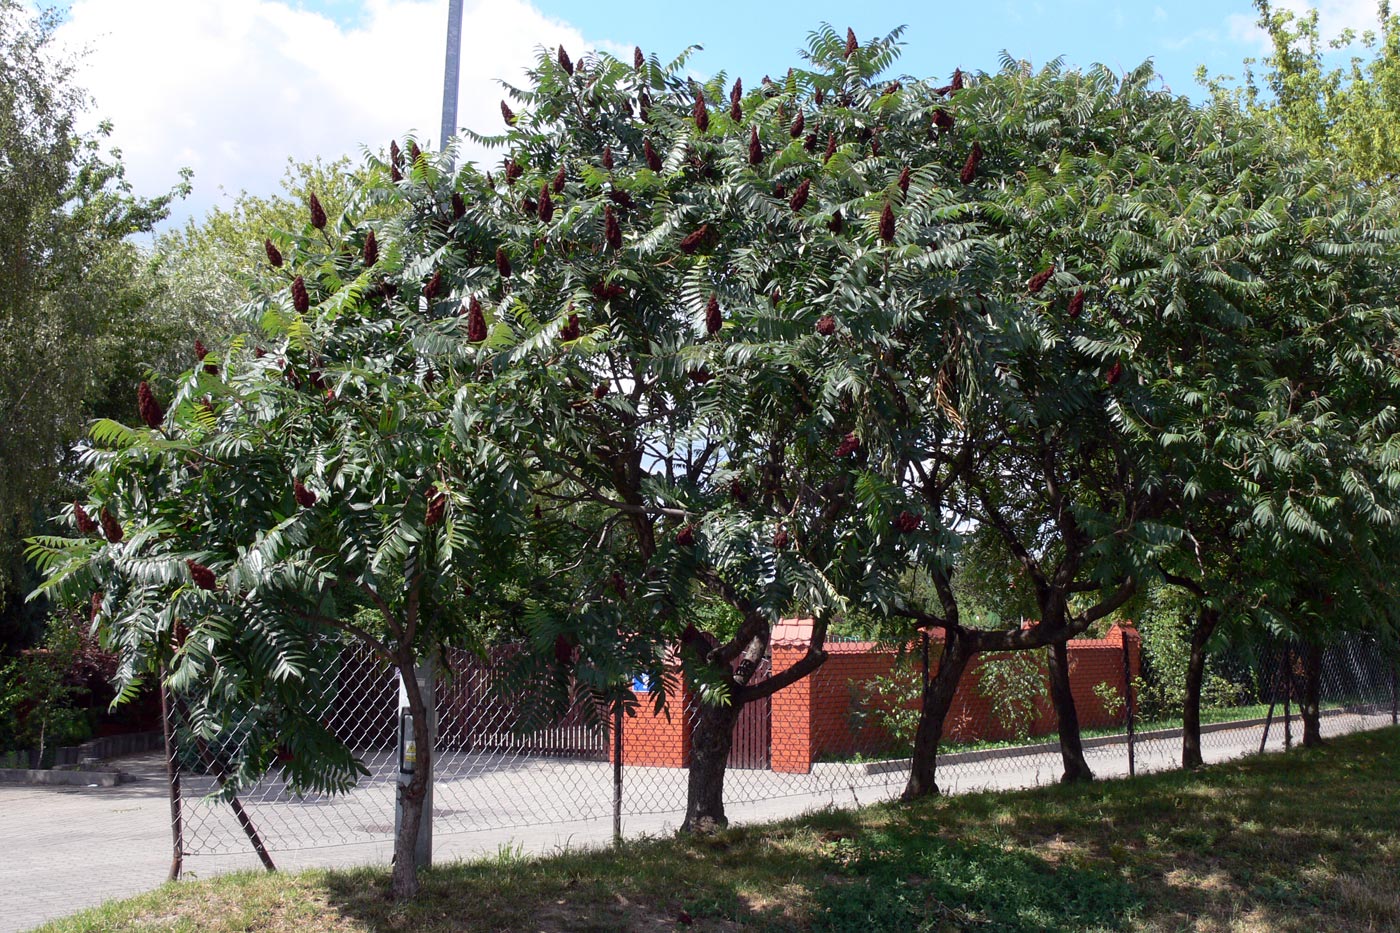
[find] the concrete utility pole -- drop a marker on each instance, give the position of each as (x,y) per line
(452,72)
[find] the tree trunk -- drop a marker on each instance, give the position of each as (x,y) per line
(939,691)
(710,741)
(1311,708)
(1071,748)
(1195,678)
(404,882)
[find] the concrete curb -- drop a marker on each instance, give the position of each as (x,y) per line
(64,777)
(1049,748)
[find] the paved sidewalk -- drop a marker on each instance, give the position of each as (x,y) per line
(66,848)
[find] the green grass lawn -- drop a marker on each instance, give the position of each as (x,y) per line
(1306,841)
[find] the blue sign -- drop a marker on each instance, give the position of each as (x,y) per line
(641,684)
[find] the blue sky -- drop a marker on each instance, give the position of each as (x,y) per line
(233,88)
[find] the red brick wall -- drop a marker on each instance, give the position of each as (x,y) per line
(658,740)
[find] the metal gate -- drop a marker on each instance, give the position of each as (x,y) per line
(753,732)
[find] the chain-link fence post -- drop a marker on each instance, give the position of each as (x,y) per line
(1287,695)
(425,673)
(1129,705)
(617,771)
(1394,694)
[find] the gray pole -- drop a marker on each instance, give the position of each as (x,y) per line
(452,72)
(424,672)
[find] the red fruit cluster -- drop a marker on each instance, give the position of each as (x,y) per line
(459,206)
(559,179)
(692,242)
(318,213)
(507,114)
(305,497)
(612,232)
(476,321)
(755,147)
(851,44)
(701,115)
(737,492)
(819,97)
(601,390)
(799,197)
(904,181)
(502,262)
(607,291)
(826,325)
(649,153)
(148,407)
(570,331)
(798,125)
(907,522)
(274,255)
(830,147)
(943,119)
(202,576)
(111,528)
(849,445)
(513,171)
(433,287)
(638,59)
(837,222)
(736,95)
(781,539)
(200,350)
(564,62)
(713,319)
(370,253)
(1076,305)
(686,536)
(301,300)
(607,158)
(700,376)
(887,224)
(84,521)
(1114,374)
(969,169)
(957,84)
(437,507)
(1038,280)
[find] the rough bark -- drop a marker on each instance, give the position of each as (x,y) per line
(1071,746)
(1195,678)
(1310,707)
(939,691)
(404,881)
(711,739)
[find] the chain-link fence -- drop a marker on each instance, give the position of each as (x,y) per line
(838,737)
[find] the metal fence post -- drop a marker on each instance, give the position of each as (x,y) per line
(1394,695)
(172,774)
(1130,708)
(617,771)
(1288,695)
(425,673)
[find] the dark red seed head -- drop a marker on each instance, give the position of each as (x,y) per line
(875,143)
(459,206)
(649,152)
(95,606)
(639,60)
(1076,305)
(83,520)
(546,206)
(781,539)
(810,143)
(737,492)
(607,158)
(701,115)
(318,213)
(513,171)
(202,576)
(799,197)
(837,222)
(1038,280)
(370,254)
(305,497)
(957,84)
(570,330)
(563,650)
(414,153)
(200,350)
(826,325)
(430,290)
(564,62)
(830,147)
(736,107)
(700,376)
(274,255)
(693,241)
(395,173)
(819,97)
(849,445)
(502,262)
(612,231)
(437,507)
(559,178)
(1114,374)
(148,407)
(713,319)
(904,181)
(969,169)
(799,124)
(943,119)
(301,301)
(507,114)
(852,46)
(907,522)
(887,224)
(111,528)
(736,93)
(686,536)
(476,321)
(259,352)
(755,147)
(780,191)
(600,391)
(395,154)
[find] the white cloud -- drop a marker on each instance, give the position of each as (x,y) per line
(231,88)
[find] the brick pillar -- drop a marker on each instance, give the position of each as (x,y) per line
(658,740)
(790,748)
